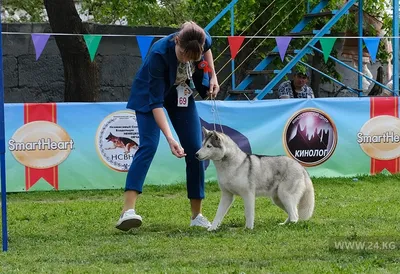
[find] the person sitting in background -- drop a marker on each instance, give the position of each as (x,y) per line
(296,88)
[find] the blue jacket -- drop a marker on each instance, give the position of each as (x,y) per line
(157,75)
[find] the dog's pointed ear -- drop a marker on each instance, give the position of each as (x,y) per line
(216,136)
(205,131)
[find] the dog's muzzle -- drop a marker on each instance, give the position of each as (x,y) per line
(197,155)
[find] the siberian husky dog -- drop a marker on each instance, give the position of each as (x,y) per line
(281,178)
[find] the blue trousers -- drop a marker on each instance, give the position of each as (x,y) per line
(186,123)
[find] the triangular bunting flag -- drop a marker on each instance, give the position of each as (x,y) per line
(39,42)
(235,42)
(372,44)
(282,43)
(144,43)
(92,43)
(327,46)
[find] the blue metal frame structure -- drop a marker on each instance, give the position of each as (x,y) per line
(230,7)
(264,63)
(305,50)
(318,34)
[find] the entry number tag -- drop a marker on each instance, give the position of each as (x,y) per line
(184,93)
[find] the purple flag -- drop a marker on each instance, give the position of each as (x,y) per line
(39,42)
(372,44)
(282,43)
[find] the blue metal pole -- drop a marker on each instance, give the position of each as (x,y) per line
(3,150)
(360,41)
(395,47)
(220,15)
(233,33)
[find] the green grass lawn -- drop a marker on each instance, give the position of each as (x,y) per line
(73,232)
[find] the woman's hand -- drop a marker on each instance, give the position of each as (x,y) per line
(214,87)
(161,121)
(176,148)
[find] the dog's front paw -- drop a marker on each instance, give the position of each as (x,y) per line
(288,222)
(212,228)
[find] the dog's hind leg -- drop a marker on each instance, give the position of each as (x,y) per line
(128,148)
(289,201)
(223,207)
(249,208)
(278,202)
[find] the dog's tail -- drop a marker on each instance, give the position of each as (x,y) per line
(306,205)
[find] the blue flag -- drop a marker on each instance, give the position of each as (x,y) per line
(372,44)
(144,43)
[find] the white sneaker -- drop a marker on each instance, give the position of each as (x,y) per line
(200,220)
(129,219)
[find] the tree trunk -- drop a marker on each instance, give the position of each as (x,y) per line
(316,62)
(80,74)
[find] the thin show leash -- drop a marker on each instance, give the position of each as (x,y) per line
(215,112)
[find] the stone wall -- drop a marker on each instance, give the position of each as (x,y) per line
(28,80)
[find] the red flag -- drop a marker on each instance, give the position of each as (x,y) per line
(235,42)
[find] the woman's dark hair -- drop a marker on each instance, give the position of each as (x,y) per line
(191,38)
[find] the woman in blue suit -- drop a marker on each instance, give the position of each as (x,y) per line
(173,67)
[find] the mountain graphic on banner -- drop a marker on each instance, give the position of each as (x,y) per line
(39,42)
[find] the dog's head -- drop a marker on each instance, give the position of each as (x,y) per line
(110,137)
(213,147)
